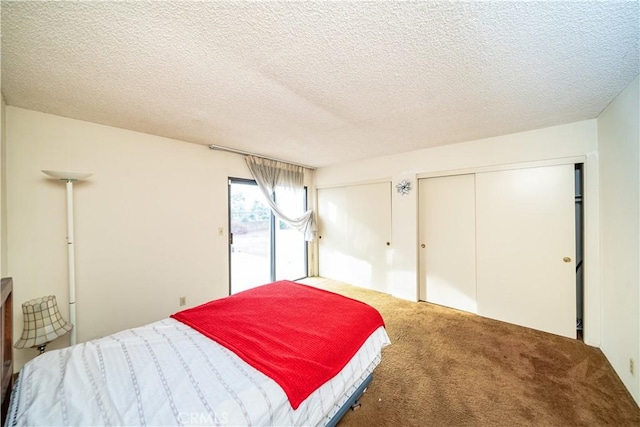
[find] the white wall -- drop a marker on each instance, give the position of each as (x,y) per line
(575,139)
(3,189)
(146,221)
(619,147)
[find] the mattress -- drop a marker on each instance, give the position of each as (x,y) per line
(166,373)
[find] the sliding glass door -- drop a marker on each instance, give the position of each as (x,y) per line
(262,248)
(250,236)
(290,246)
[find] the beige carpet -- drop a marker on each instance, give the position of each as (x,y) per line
(450,368)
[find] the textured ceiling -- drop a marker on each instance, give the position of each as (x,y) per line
(320,83)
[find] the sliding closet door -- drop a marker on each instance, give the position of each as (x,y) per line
(448,241)
(525,247)
(355,234)
(333,247)
(369,234)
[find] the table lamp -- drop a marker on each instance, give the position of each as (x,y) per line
(42,323)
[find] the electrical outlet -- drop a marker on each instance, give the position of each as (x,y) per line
(183,301)
(632,366)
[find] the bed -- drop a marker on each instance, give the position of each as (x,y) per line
(216,364)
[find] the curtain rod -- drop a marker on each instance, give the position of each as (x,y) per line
(246,153)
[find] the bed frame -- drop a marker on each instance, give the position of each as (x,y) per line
(6,344)
(352,403)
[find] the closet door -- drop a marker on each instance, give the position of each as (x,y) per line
(448,241)
(369,235)
(333,216)
(355,234)
(526,247)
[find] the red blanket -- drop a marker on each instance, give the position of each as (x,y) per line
(298,335)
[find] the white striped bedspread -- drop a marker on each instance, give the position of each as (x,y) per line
(166,373)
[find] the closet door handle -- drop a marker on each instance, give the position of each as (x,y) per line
(566,259)
(423,246)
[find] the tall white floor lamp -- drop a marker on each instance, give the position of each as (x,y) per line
(70,178)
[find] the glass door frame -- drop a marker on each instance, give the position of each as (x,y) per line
(272,232)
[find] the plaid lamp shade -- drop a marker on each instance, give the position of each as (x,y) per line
(42,322)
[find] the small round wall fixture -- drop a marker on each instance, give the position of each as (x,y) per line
(403,187)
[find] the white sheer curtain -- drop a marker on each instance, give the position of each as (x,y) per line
(271,175)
